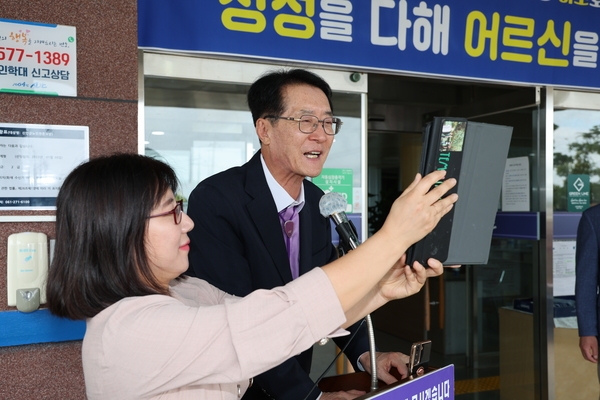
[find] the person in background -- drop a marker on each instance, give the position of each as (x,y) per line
(121,249)
(587,279)
(259,226)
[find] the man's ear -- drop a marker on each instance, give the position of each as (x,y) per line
(263,130)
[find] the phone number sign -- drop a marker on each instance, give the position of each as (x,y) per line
(37,58)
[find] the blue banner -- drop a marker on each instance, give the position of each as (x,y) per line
(541,42)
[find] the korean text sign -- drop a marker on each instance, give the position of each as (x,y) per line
(435,385)
(542,42)
(35,159)
(37,58)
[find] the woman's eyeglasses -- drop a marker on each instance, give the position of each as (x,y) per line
(177,212)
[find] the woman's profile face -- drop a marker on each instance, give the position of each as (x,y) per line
(167,243)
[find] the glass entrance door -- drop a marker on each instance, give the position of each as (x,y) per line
(196,119)
(502,339)
(488,292)
(576,148)
(461,311)
(576,187)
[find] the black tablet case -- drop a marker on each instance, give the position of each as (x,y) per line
(475,154)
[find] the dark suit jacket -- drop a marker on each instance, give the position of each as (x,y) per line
(237,245)
(586,272)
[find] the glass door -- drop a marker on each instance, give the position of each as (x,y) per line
(194,116)
(489,292)
(576,187)
(502,339)
(196,119)
(461,311)
(576,149)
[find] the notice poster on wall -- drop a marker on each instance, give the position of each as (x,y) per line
(515,185)
(34,161)
(563,254)
(37,58)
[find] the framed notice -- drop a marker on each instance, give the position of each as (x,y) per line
(34,161)
(37,58)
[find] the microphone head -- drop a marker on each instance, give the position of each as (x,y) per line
(332,203)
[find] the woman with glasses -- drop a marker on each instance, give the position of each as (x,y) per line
(122,245)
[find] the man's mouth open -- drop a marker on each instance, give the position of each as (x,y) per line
(312,154)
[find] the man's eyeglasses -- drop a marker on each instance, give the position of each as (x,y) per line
(310,123)
(177,212)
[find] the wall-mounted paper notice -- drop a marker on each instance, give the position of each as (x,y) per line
(515,186)
(563,253)
(35,159)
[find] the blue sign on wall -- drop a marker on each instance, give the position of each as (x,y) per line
(542,42)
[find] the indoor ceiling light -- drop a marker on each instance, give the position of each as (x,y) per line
(158,133)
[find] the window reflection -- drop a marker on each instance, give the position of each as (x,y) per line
(576,152)
(202,128)
(199,142)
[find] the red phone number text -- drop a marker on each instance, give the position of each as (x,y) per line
(42,57)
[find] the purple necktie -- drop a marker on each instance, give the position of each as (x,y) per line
(290,223)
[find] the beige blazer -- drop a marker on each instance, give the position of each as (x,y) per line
(202,343)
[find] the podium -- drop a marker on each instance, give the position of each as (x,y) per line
(436,383)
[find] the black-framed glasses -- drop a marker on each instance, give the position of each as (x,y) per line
(310,123)
(177,212)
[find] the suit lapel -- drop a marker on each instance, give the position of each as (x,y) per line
(263,212)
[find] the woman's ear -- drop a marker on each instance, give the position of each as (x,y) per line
(263,130)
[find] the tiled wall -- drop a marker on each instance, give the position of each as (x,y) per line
(106,102)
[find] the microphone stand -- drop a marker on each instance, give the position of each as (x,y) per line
(349,243)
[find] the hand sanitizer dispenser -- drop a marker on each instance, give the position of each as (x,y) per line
(27,269)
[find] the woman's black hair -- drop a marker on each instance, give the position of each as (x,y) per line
(101,218)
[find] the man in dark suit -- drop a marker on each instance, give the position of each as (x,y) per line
(587,279)
(239,240)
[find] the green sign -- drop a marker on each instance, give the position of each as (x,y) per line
(336,180)
(578,193)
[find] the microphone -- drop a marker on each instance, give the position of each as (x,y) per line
(333,205)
